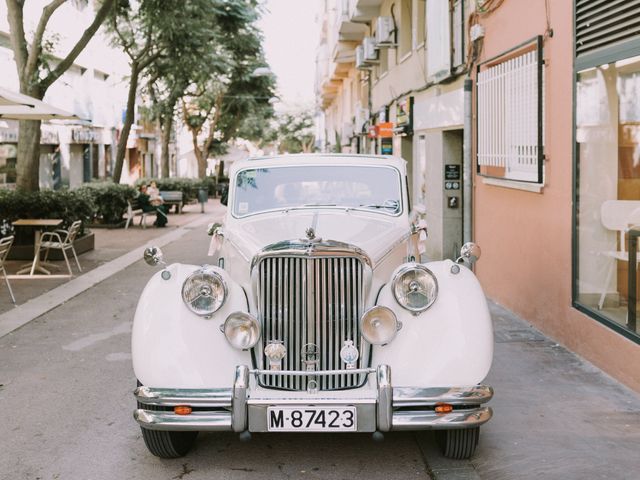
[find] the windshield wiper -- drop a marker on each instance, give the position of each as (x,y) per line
(387,204)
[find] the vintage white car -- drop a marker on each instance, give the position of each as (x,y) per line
(314,315)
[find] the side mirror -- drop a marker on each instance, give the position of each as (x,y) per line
(153,256)
(224,196)
(470,252)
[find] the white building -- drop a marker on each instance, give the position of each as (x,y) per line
(94,88)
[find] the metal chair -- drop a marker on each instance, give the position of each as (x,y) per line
(5,246)
(61,240)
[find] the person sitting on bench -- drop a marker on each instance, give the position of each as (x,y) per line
(145,202)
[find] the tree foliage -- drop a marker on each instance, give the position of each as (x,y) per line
(293,132)
(226,93)
(37,71)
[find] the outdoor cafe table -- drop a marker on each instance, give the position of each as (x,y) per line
(39,224)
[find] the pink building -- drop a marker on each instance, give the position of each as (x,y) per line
(554,198)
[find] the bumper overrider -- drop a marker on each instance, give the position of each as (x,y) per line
(384,409)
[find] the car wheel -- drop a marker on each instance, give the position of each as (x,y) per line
(458,444)
(166,444)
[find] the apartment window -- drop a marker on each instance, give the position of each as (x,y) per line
(607,162)
(420,23)
(405,34)
(510,119)
(438,40)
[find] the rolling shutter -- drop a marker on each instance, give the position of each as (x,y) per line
(602,23)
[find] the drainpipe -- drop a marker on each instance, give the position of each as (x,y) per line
(467,164)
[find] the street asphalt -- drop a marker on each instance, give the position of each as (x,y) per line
(66,402)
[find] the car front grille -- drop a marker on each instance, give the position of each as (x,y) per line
(304,301)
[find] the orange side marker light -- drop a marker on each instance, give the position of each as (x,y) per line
(182,409)
(443,408)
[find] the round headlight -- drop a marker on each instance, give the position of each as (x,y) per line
(242,330)
(204,292)
(379,325)
(415,288)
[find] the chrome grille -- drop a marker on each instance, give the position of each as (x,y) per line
(311,301)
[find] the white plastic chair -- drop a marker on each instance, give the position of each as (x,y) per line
(5,246)
(61,240)
(618,216)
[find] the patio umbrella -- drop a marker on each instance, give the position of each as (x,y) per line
(7,97)
(39,111)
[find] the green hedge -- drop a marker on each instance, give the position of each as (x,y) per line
(110,200)
(69,205)
(188,186)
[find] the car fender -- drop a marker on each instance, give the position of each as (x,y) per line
(449,344)
(172,347)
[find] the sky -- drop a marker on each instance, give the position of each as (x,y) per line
(291,38)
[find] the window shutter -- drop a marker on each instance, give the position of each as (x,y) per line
(603,23)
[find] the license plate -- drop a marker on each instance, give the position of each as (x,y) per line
(311,419)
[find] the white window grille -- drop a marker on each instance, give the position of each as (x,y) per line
(510,96)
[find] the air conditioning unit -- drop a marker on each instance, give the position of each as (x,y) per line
(361,63)
(370,52)
(385,32)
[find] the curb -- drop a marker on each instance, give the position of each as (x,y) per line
(34,308)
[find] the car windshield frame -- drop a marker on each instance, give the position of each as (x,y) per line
(383,211)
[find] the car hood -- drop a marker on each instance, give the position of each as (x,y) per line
(374,233)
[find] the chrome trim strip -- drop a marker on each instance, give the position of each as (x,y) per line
(305,373)
(170,397)
(239,401)
(196,421)
(415,397)
(385,398)
(430,420)
(306,249)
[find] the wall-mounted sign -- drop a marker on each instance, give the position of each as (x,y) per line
(385,130)
(452,172)
(83,135)
(386,146)
(404,115)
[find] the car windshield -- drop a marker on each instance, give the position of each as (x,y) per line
(280,188)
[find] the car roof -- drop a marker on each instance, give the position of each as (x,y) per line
(320,158)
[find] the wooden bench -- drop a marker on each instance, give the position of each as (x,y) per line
(134,209)
(172,198)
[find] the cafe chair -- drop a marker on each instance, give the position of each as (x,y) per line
(61,240)
(5,246)
(617,216)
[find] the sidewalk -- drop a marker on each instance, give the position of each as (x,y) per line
(109,245)
(556,416)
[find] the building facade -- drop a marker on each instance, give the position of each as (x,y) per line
(95,89)
(390,81)
(550,119)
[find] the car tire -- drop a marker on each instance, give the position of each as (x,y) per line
(458,444)
(166,444)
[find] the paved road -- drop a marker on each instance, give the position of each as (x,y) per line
(66,403)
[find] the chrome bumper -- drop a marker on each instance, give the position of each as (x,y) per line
(391,409)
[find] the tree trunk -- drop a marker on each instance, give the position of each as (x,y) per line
(200,156)
(167,125)
(128,121)
(28,163)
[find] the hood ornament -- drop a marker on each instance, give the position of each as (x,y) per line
(311,233)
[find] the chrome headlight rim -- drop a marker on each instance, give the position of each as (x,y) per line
(226,329)
(205,272)
(371,311)
(405,269)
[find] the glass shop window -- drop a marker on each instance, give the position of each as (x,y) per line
(608,185)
